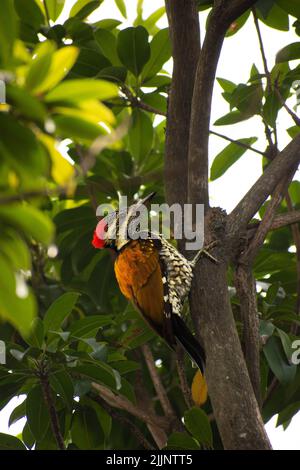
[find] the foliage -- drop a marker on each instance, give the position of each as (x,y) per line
(62,314)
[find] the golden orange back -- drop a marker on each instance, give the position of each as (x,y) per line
(138,273)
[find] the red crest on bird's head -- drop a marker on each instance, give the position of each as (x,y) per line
(111,231)
(99,234)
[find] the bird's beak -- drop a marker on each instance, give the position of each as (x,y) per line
(146,199)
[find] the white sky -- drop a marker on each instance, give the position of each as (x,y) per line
(238,55)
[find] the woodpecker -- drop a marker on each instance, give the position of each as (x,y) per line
(156,278)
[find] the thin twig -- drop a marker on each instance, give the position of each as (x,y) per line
(296,237)
(293,115)
(159,388)
(186,391)
(267,221)
(118,401)
(47,12)
(59,190)
(135,102)
(262,50)
(88,158)
(279,221)
(43,376)
(128,424)
(237,142)
(246,291)
(281,166)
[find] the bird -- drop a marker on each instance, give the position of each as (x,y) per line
(157,279)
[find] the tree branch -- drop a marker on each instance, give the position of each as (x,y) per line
(222,15)
(43,376)
(159,388)
(282,220)
(296,237)
(293,115)
(262,50)
(239,421)
(237,142)
(246,291)
(185,38)
(127,423)
(10,199)
(279,167)
(264,227)
(118,401)
(186,391)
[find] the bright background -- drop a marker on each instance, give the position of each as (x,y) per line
(239,53)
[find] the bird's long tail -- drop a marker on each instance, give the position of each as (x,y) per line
(197,354)
(188,341)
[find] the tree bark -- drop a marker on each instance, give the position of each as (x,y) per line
(185,40)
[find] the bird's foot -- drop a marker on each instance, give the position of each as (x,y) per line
(205,252)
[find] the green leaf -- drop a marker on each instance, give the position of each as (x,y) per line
(27,436)
(87,327)
(38,71)
(77,128)
(32,222)
(276,359)
(247,98)
(108,45)
(151,21)
(290,52)
(122,7)
(227,85)
(160,53)
(86,429)
(37,413)
(288,413)
(133,48)
(293,131)
(181,441)
(103,417)
(100,372)
(60,64)
(62,384)
(238,24)
(30,13)
(275,17)
(55,8)
(84,8)
(17,308)
(8,442)
(286,343)
(24,155)
(231,118)
(80,90)
(15,249)
(140,135)
(59,310)
(228,156)
(292,7)
(17,413)
(156,100)
(28,105)
(109,24)
(271,108)
(8,31)
(197,423)
(36,337)
(264,7)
